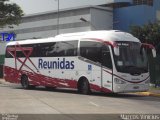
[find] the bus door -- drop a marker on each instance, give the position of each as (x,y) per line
(106,69)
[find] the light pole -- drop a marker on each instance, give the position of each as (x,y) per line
(57,16)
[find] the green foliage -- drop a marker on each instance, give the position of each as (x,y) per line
(149,33)
(10,14)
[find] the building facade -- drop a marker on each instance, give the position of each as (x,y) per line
(135,12)
(51,23)
(112,14)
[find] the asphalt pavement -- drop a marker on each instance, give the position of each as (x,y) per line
(151,92)
(63,104)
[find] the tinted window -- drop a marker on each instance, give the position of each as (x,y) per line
(19,54)
(45,50)
(8,55)
(91,50)
(52,49)
(106,57)
(67,48)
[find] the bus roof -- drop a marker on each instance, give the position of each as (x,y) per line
(104,35)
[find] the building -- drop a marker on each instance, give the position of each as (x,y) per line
(112,14)
(68,20)
(135,12)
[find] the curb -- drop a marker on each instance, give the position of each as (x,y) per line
(149,94)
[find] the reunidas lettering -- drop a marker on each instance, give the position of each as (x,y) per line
(59,64)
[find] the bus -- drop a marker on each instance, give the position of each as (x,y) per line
(103,61)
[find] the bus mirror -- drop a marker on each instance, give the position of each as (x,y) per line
(154,52)
(116,51)
(149,46)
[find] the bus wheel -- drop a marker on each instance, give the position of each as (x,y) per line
(83,87)
(25,82)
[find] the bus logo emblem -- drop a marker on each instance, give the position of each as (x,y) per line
(89,67)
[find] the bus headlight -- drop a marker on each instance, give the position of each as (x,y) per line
(119,81)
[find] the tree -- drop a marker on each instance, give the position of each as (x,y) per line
(10,14)
(149,33)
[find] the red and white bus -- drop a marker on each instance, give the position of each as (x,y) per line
(107,61)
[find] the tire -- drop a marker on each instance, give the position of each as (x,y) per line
(83,87)
(25,82)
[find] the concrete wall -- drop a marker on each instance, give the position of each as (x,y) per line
(101,19)
(46,24)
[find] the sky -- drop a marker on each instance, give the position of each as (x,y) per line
(37,6)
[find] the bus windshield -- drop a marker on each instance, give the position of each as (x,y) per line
(132,58)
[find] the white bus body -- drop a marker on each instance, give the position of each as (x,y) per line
(107,61)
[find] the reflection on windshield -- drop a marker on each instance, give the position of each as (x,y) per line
(132,58)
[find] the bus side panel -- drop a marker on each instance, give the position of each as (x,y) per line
(11,75)
(42,76)
(54,77)
(92,71)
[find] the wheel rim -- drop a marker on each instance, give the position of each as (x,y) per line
(84,87)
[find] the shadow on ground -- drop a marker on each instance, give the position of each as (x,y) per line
(133,96)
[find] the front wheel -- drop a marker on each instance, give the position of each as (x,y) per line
(83,87)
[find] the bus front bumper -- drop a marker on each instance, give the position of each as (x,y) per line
(121,88)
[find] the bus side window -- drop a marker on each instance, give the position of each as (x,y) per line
(106,57)
(64,48)
(70,47)
(8,55)
(91,50)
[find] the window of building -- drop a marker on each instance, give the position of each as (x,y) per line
(141,2)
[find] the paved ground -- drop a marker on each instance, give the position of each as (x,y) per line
(14,99)
(69,105)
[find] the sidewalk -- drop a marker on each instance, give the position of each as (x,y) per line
(151,92)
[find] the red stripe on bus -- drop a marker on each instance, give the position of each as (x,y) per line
(41,80)
(111,43)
